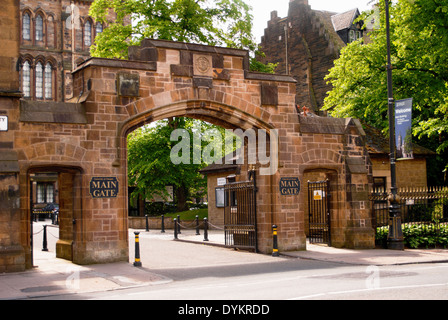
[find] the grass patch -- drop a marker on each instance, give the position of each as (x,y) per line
(189,215)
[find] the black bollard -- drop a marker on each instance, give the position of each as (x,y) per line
(275,246)
(175,229)
(137,262)
(178,225)
(44,244)
(163,224)
(205,229)
(147,223)
(197,226)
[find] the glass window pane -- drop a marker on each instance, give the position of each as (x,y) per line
(40,193)
(88,34)
(39,28)
(26,27)
(48,82)
(99,28)
(26,80)
(50,193)
(39,81)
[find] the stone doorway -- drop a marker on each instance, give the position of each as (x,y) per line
(58,188)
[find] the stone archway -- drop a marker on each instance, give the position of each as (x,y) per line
(163,79)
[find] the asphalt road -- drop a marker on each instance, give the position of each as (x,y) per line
(204,273)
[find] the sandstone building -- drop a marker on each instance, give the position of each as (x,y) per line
(55,36)
(305,45)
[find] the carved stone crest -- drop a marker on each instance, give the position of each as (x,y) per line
(202,65)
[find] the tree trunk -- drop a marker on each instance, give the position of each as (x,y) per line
(181,194)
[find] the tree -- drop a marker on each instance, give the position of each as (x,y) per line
(420,70)
(218,23)
(154,153)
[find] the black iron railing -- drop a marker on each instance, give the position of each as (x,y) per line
(424,213)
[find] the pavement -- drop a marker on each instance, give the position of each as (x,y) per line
(53,276)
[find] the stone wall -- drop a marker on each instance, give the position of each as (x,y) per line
(12,253)
(410,173)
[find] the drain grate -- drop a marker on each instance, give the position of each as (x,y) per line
(41,289)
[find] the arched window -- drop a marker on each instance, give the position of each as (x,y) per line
(39,81)
(26,27)
(26,80)
(87,34)
(99,28)
(39,28)
(51,32)
(48,82)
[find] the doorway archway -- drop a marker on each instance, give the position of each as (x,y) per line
(62,187)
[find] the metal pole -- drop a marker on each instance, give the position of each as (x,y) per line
(175,229)
(197,226)
(147,223)
(395,237)
(44,244)
(205,229)
(163,224)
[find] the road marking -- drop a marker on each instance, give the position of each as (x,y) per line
(370,290)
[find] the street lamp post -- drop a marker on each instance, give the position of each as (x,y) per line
(395,237)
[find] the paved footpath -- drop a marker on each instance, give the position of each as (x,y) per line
(158,251)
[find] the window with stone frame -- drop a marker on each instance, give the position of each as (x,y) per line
(26,27)
(98,28)
(39,80)
(45,192)
(352,36)
(48,82)
(87,34)
(379,184)
(26,79)
(39,28)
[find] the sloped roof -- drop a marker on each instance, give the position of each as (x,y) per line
(378,144)
(326,18)
(344,20)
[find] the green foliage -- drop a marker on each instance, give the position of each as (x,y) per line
(419,235)
(150,167)
(218,23)
(419,48)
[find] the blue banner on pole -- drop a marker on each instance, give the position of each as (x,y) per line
(403,129)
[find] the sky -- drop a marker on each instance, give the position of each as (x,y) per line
(262,10)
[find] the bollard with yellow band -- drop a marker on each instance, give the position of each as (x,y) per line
(275,252)
(137,262)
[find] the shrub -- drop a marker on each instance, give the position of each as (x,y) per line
(419,235)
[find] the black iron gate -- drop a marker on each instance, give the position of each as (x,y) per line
(240,215)
(319,212)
